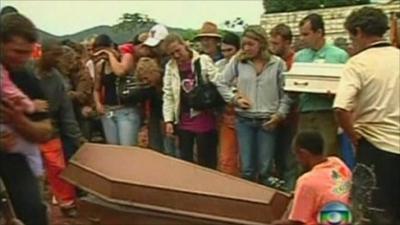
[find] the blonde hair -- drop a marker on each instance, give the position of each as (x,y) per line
(174,37)
(258,34)
(148,68)
(143,36)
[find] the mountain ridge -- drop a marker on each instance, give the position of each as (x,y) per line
(117,35)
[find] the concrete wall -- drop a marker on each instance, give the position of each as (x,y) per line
(334,18)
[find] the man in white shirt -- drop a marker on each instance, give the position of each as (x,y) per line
(367,106)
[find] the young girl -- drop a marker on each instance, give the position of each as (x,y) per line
(260,102)
(31,150)
(121,121)
(191,126)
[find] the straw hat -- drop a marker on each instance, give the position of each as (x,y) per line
(208,29)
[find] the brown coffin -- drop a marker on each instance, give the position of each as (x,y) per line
(145,179)
(96,211)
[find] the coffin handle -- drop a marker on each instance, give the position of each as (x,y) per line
(301,83)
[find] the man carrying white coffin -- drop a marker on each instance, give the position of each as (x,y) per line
(316,111)
(367,105)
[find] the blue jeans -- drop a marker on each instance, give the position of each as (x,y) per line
(256,147)
(170,148)
(347,151)
(158,140)
(121,126)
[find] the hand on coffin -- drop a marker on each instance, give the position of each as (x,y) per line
(329,95)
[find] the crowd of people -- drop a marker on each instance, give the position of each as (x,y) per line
(70,93)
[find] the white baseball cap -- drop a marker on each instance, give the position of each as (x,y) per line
(156,34)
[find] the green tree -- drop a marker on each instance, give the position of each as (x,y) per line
(188,34)
(131,22)
(362,2)
(309,4)
(273,6)
(292,5)
(235,23)
(336,3)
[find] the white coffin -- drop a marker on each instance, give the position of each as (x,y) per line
(319,78)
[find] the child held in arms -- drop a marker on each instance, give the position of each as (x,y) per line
(13,95)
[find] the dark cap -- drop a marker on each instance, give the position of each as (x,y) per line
(231,39)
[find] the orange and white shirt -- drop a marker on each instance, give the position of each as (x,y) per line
(327,182)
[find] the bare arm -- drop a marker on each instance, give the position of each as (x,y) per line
(97,88)
(345,121)
(123,67)
(33,131)
(350,85)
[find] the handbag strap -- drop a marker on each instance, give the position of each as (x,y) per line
(278,81)
(197,71)
(236,66)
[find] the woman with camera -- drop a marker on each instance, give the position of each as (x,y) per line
(180,80)
(260,101)
(120,118)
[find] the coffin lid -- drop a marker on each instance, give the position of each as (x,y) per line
(145,167)
(315,69)
(147,179)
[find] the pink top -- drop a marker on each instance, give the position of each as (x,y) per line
(327,182)
(11,92)
(201,123)
(190,120)
(30,150)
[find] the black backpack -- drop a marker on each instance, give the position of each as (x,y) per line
(205,95)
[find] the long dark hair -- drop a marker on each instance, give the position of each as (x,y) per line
(103,41)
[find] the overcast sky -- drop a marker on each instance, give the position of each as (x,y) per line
(67,17)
